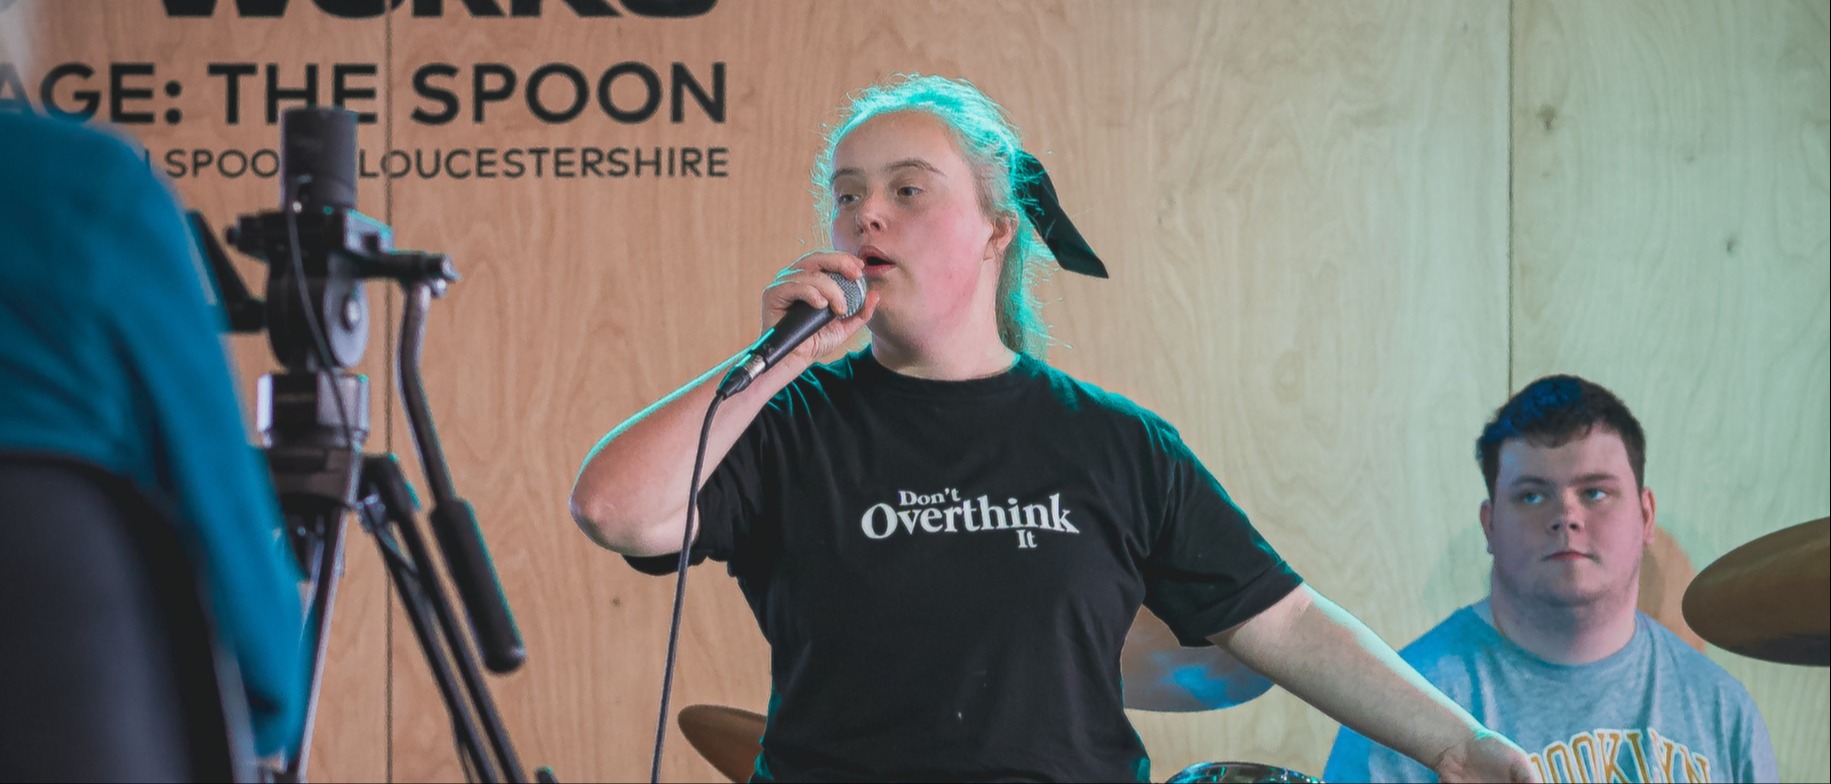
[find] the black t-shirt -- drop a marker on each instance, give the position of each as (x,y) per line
(946,570)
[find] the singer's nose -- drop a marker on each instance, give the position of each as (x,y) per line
(869,217)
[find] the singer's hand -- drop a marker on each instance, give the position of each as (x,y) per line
(1485,756)
(806,281)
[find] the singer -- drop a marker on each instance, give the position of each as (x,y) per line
(943,538)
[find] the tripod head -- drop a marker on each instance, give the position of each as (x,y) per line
(314,415)
(317,307)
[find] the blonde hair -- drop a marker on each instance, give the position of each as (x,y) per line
(990,144)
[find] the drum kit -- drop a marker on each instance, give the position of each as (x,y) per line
(1769,599)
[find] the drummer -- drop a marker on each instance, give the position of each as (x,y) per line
(1557,657)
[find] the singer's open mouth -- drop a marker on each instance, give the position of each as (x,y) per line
(874,258)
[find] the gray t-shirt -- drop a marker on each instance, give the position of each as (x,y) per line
(1656,710)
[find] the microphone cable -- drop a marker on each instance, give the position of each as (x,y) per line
(321,348)
(851,288)
(680,587)
(320,343)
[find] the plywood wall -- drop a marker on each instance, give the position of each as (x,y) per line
(1341,234)
(1670,240)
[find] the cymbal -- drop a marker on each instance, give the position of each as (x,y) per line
(729,738)
(1769,599)
(1161,675)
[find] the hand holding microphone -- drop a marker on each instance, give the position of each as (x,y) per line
(816,305)
(802,303)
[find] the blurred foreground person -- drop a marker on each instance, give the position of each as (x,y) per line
(141,559)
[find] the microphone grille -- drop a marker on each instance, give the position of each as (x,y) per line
(854,290)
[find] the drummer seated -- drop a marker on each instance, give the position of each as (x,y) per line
(1557,657)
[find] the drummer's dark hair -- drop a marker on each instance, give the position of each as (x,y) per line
(1554,411)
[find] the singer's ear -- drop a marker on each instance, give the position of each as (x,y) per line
(1004,227)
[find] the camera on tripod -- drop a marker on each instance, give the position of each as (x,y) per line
(313,417)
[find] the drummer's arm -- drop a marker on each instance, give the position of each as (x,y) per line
(1328,658)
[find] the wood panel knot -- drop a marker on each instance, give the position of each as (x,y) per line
(1548,117)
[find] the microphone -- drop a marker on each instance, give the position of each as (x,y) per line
(797,325)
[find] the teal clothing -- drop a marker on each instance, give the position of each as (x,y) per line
(110,354)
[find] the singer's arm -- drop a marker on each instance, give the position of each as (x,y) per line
(631,494)
(1329,659)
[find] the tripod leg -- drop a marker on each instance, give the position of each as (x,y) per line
(324,532)
(390,519)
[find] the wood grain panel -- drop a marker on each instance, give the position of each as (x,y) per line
(1670,242)
(582,299)
(1307,209)
(351,726)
